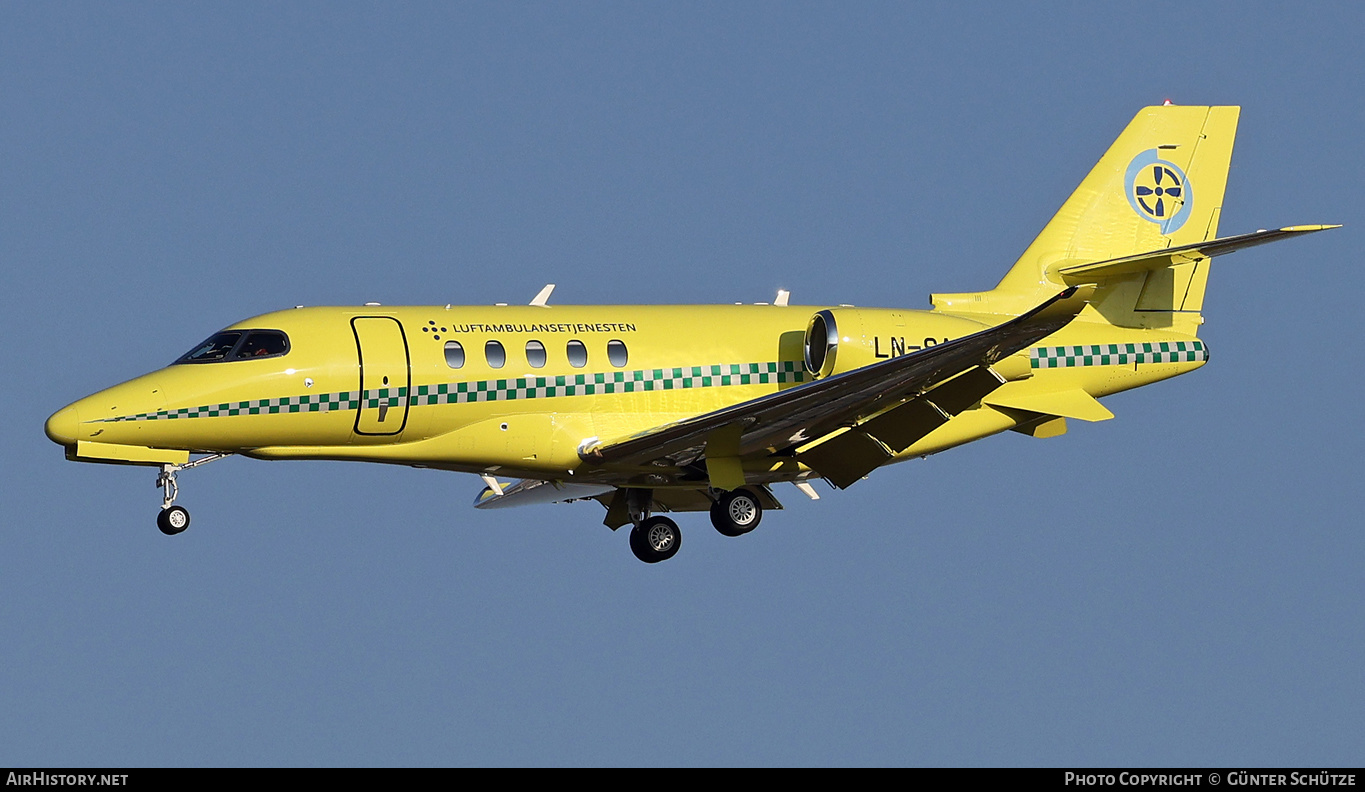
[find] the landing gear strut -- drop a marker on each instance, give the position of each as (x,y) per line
(653,539)
(174,519)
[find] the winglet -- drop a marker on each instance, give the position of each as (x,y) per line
(543,298)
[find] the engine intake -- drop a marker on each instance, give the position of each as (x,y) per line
(822,342)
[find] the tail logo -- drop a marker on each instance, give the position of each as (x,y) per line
(1158,191)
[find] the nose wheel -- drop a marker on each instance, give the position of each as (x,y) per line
(175,519)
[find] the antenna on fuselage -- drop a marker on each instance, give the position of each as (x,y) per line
(782,296)
(543,299)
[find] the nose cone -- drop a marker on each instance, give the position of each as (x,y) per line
(61,427)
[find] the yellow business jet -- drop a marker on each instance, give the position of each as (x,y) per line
(651,409)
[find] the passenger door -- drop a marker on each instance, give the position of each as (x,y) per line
(385,375)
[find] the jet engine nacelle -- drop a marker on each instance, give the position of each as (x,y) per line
(844,339)
(822,344)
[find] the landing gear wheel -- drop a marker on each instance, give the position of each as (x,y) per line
(736,513)
(173,519)
(656,539)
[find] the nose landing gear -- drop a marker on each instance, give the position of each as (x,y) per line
(175,519)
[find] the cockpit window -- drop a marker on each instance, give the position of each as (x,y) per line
(262,343)
(216,348)
(238,345)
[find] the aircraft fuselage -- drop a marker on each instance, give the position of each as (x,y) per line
(517,389)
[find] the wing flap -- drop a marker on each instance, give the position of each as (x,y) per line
(794,417)
(848,456)
(903,426)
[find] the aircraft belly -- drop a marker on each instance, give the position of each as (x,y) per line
(86,451)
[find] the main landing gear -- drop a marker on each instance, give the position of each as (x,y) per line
(736,513)
(175,519)
(653,539)
(657,538)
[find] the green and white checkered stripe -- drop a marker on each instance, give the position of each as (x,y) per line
(1118,354)
(502,390)
(610,382)
(321,402)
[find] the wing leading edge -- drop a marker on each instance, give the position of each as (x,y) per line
(876,405)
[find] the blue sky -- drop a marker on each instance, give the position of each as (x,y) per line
(1178,586)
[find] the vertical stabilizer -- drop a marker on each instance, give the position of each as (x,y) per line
(1159,185)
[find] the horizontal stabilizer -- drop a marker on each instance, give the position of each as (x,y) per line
(1091,272)
(1067,404)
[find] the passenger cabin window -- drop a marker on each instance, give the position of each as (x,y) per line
(454,354)
(578,354)
(535,354)
(494,354)
(238,345)
(617,353)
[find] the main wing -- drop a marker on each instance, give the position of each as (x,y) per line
(864,416)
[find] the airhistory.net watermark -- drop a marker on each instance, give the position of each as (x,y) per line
(66,779)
